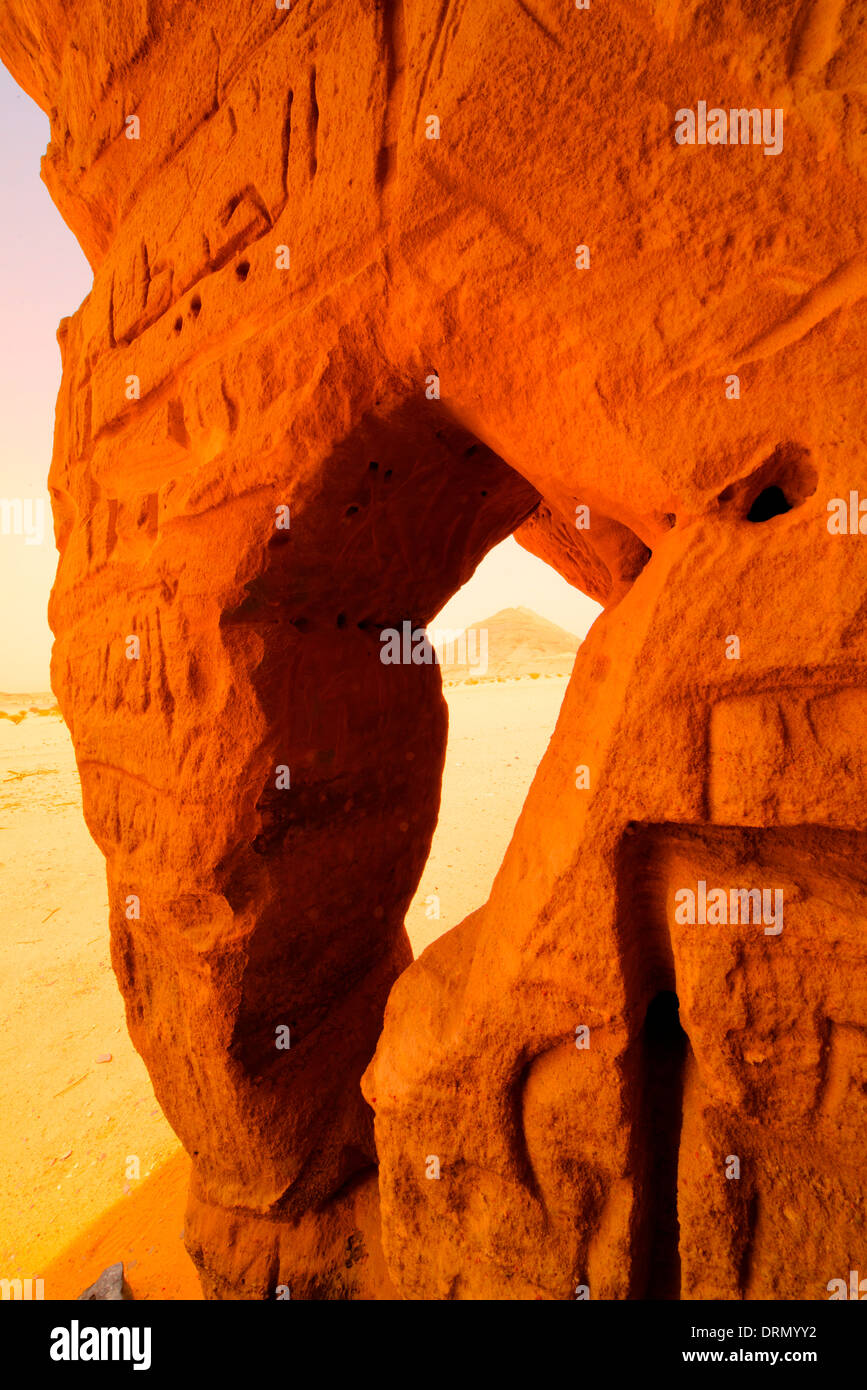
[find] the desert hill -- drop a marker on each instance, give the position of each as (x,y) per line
(520,644)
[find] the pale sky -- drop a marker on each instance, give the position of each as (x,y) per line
(44,276)
(510,577)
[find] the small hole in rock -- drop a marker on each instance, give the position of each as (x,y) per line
(242,269)
(782,482)
(350,511)
(484,494)
(179,323)
(772,501)
(387,474)
(195,304)
(373,467)
(341,620)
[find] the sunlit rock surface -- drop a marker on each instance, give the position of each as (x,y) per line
(302,302)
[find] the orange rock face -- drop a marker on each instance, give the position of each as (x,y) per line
(334,352)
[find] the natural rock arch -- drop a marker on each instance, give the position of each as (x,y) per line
(210,378)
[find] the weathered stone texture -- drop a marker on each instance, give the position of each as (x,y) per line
(305,387)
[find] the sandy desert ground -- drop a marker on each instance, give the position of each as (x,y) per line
(75,1097)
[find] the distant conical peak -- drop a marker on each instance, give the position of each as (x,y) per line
(528,623)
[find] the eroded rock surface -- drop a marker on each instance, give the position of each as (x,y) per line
(286,270)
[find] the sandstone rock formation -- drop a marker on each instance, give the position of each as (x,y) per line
(302,302)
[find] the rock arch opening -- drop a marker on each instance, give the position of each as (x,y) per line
(327,635)
(504,677)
